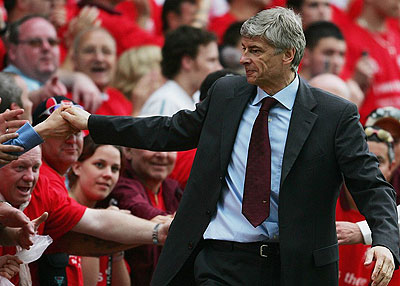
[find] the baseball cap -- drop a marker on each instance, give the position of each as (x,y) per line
(47,107)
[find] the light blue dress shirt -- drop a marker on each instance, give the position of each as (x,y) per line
(28,138)
(30,82)
(229,223)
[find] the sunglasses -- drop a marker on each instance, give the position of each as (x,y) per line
(51,109)
(384,136)
(39,42)
(385,112)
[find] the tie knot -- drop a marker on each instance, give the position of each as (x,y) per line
(267,103)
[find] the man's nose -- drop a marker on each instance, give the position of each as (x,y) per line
(28,176)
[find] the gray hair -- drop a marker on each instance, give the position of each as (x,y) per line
(10,92)
(79,37)
(281,28)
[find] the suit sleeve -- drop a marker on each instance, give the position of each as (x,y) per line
(374,197)
(366,231)
(157,133)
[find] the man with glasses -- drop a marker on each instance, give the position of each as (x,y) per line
(33,53)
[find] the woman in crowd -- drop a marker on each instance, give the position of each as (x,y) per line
(91,179)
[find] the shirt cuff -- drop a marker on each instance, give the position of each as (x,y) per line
(365,231)
(28,138)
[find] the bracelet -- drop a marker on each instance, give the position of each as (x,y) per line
(155,233)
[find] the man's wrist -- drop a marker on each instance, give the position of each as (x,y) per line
(155,233)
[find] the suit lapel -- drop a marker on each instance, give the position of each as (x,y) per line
(235,103)
(301,124)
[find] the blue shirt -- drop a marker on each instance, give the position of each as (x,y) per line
(28,138)
(229,223)
(30,82)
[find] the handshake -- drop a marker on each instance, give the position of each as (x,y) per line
(63,122)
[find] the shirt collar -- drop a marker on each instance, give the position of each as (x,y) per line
(285,96)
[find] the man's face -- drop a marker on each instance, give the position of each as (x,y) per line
(96,57)
(206,61)
(262,65)
(328,56)
(18,178)
(37,53)
(315,10)
(151,166)
(380,150)
(188,13)
(61,153)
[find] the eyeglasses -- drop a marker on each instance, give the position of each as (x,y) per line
(39,42)
(51,109)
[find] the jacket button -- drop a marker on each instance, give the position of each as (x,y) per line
(208,212)
(190,245)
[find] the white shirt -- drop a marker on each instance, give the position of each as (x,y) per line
(167,100)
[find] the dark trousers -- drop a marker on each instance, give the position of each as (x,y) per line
(233,263)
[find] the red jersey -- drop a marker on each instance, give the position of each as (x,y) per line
(384,49)
(64,214)
(183,165)
(115,103)
(351,257)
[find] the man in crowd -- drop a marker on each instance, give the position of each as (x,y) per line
(188,56)
(13,96)
(33,53)
(228,229)
(95,54)
(176,13)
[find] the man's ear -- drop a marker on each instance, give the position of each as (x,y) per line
(288,56)
(11,53)
(186,63)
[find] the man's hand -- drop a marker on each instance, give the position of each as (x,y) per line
(163,231)
(9,122)
(55,126)
(161,218)
(77,117)
(384,265)
(52,87)
(84,90)
(25,235)
(12,217)
(348,233)
(9,266)
(6,158)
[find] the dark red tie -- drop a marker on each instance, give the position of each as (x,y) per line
(257,184)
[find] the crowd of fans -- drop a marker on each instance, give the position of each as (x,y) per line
(153,57)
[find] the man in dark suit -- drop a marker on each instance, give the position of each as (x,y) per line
(315,141)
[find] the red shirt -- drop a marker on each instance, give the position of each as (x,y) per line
(64,214)
(183,165)
(384,49)
(126,32)
(159,203)
(351,257)
(115,104)
(74,269)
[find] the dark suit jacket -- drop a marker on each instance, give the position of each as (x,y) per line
(325,144)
